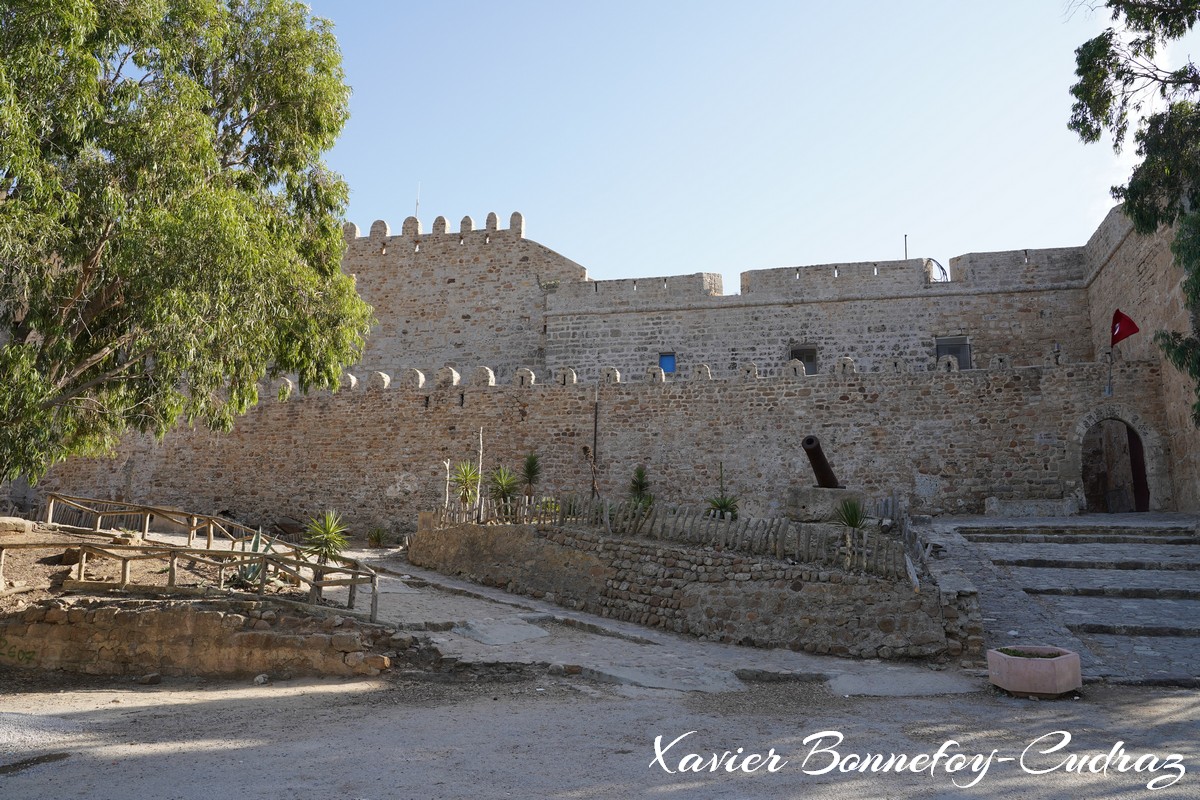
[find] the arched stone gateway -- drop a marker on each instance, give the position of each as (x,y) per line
(1117,462)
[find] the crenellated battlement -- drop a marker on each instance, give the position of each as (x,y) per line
(841,371)
(411,229)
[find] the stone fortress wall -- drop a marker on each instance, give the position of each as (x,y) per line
(573,362)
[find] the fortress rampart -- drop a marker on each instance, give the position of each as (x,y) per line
(948,440)
(854,353)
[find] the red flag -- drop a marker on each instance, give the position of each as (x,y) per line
(1122,327)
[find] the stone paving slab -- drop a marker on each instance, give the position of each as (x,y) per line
(632,655)
(1098,581)
(499,631)
(1152,556)
(1149,659)
(1182,617)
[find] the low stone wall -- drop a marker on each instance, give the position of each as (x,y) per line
(207,638)
(714,595)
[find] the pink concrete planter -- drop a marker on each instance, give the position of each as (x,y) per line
(1039,677)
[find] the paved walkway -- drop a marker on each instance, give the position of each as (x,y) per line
(1121,589)
(484,625)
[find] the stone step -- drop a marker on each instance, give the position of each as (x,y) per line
(971,531)
(1121,616)
(1154,660)
(1085,563)
(1094,556)
(1039,537)
(1133,584)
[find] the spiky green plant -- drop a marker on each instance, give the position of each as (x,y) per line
(324,539)
(531,473)
(503,484)
(376,537)
(466,482)
(723,505)
(639,488)
(851,514)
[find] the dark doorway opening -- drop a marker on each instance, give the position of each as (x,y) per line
(1114,469)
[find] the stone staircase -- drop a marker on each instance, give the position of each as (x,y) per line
(1125,588)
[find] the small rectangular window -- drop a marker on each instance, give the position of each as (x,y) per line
(806,353)
(957,346)
(667,362)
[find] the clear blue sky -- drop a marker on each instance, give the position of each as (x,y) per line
(662,138)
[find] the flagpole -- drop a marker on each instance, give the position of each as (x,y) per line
(1108,387)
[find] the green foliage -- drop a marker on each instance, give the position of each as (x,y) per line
(723,504)
(325,537)
(850,513)
(503,485)
(465,479)
(376,537)
(1117,76)
(639,488)
(169,234)
(531,473)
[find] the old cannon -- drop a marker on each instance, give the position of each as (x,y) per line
(825,477)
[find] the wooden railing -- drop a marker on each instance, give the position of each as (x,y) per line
(92,514)
(263,566)
(250,552)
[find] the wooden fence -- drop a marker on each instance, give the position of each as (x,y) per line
(780,538)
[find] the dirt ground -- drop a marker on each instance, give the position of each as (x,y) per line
(71,736)
(558,737)
(32,569)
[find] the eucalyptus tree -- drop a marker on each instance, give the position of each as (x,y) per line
(1122,86)
(169,233)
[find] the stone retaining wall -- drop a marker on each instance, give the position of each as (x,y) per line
(714,595)
(210,638)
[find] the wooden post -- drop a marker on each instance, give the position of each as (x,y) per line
(99,516)
(50,510)
(374,598)
(191,530)
(1,567)
(82,561)
(124,571)
(171,570)
(262,572)
(146,524)
(353,593)
(210,535)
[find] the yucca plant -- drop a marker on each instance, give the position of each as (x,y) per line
(639,488)
(503,486)
(531,473)
(324,539)
(851,514)
(466,482)
(723,505)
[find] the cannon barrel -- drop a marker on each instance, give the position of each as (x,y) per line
(825,477)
